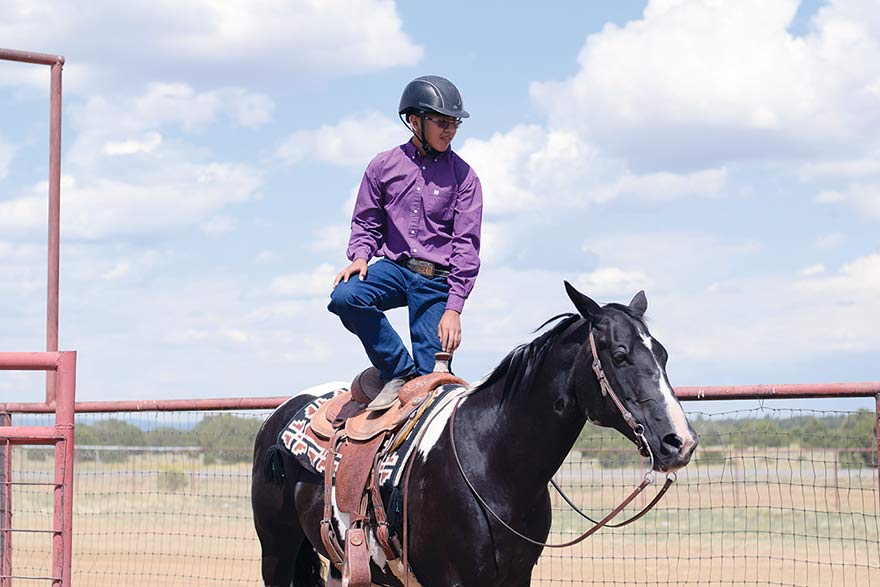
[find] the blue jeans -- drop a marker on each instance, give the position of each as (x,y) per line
(361,306)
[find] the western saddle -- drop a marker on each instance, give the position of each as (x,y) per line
(359,439)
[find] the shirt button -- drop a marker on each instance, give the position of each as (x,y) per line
(418,189)
(423,167)
(415,250)
(415,211)
(412,232)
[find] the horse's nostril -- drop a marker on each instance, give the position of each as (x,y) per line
(673,440)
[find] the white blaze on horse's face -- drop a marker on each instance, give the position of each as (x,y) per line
(673,407)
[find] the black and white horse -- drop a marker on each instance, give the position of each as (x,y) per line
(512,432)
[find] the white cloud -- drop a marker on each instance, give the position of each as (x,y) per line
(498,162)
(125,177)
(613,282)
(665,186)
(496,242)
(857,282)
(218,226)
(6,154)
(829,241)
(829,197)
(118,271)
(234,41)
(351,142)
(531,168)
(182,195)
(847,168)
(769,320)
(695,83)
(178,103)
(754,322)
(331,239)
(318,282)
(266,257)
(22,274)
(812,270)
(147,144)
(670,259)
(864,198)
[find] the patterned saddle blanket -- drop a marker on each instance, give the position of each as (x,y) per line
(306,434)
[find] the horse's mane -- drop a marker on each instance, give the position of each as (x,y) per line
(520,365)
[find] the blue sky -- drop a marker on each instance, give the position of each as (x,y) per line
(722,156)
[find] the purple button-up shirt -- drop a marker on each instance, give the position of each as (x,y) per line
(429,208)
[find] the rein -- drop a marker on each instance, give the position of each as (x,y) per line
(644,449)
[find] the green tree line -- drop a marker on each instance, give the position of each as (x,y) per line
(224,437)
(229,438)
(856,431)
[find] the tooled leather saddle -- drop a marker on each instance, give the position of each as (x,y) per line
(358,445)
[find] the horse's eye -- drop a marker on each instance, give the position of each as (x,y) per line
(619,357)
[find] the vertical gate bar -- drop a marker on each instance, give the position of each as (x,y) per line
(58,518)
(64,454)
(877,430)
(54,222)
(6,506)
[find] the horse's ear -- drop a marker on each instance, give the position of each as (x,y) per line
(587,307)
(639,303)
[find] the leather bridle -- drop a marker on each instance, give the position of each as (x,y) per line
(644,449)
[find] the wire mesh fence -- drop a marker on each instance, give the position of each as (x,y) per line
(772,497)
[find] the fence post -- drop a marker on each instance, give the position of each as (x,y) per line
(5,505)
(877,430)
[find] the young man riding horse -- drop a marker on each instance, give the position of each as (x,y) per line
(419,209)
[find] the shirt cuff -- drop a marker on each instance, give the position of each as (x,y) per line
(360,254)
(454,302)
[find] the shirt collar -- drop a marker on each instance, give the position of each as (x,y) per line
(412,152)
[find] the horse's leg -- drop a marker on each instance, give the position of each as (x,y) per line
(278,530)
(288,559)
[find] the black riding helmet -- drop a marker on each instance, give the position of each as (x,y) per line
(430,93)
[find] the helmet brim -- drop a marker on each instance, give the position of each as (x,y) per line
(445,111)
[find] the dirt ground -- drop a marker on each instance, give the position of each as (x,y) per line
(762,526)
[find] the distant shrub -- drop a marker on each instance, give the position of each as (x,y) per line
(172,479)
(856,459)
(226,438)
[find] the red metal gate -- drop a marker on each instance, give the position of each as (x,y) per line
(63,366)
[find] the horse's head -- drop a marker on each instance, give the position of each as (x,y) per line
(634,364)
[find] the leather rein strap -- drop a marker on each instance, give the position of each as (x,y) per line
(644,448)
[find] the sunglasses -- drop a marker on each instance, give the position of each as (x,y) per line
(446,124)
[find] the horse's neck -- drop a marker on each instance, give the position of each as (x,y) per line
(525,436)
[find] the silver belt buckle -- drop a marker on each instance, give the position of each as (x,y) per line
(425,268)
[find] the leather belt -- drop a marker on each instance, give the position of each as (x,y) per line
(425,268)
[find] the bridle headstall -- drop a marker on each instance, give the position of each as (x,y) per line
(644,449)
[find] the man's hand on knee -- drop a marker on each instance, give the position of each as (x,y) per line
(358,266)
